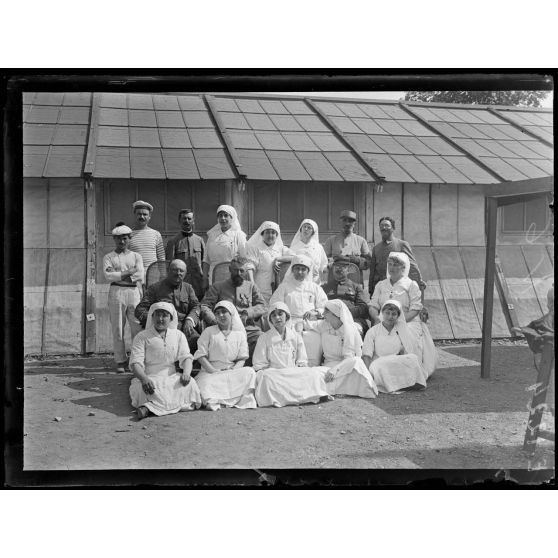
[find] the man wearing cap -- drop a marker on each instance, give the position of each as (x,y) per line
(381,251)
(146,241)
(124,269)
(352,294)
(347,243)
(181,295)
(189,248)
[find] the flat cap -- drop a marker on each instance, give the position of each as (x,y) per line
(349,214)
(141,204)
(341,260)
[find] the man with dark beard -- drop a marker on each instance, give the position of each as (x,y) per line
(244,294)
(189,248)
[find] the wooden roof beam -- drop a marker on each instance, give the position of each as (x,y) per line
(89,165)
(231,151)
(376,174)
(519,126)
(431,126)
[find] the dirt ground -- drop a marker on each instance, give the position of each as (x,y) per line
(459,422)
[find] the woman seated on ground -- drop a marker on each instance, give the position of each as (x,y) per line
(265,251)
(305,301)
(389,352)
(224,381)
(307,242)
(161,362)
(283,375)
(344,371)
(398,286)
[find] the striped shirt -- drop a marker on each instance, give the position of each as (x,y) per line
(148,243)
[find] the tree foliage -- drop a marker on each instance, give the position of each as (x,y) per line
(516,98)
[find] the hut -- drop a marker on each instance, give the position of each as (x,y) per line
(88,156)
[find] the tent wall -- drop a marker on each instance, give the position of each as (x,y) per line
(54,265)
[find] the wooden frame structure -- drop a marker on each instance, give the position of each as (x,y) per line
(497,196)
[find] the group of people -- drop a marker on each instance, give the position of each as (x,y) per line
(257,340)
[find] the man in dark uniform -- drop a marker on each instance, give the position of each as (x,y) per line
(244,294)
(352,294)
(175,290)
(189,248)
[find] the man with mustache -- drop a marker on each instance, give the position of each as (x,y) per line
(347,243)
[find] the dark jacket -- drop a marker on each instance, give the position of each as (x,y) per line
(246,297)
(190,249)
(351,293)
(183,298)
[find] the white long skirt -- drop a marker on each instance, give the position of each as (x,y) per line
(169,397)
(428,355)
(395,372)
(278,387)
(351,377)
(228,388)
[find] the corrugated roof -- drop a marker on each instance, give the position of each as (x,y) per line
(223,136)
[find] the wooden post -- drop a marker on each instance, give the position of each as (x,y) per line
(490,268)
(240,202)
(91,258)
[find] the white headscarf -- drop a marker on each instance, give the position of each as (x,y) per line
(407,338)
(299,244)
(279,305)
(405,282)
(231,308)
(352,342)
(162,306)
(299,259)
(235,224)
(256,240)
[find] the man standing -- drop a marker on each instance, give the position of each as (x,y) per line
(146,241)
(124,269)
(244,294)
(181,295)
(380,253)
(352,294)
(347,243)
(189,248)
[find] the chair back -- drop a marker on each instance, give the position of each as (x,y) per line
(280,275)
(156,272)
(355,274)
(221,272)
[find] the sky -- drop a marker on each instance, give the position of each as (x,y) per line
(394,95)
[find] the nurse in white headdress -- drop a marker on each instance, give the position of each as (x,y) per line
(343,368)
(225,240)
(306,302)
(265,251)
(307,242)
(224,381)
(161,362)
(283,375)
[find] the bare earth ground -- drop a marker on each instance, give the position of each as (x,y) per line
(459,422)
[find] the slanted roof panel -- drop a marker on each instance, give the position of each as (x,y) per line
(242,139)
(54,99)
(299,141)
(297,107)
(197,119)
(351,110)
(146,163)
(191,102)
(180,164)
(42,115)
(113,136)
(112,162)
(526,167)
(522,149)
(255,165)
(285,122)
(330,109)
(171,118)
(74,115)
(142,102)
(65,161)
(387,167)
(393,127)
(345,124)
(34,159)
(389,145)
(143,118)
(205,139)
(369,126)
(77,99)
(250,105)
(467,116)
(496,148)
(311,123)
(259,121)
(505,170)
(174,138)
(213,164)
(443,169)
(235,120)
(317,166)
(440,146)
(113,117)
(416,169)
(70,135)
(273,141)
(374,111)
(544,133)
(38,134)
(471,170)
(144,137)
(416,128)
(395,112)
(165,102)
(287,166)
(327,141)
(273,107)
(364,144)
(347,166)
(113,100)
(415,146)
(224,104)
